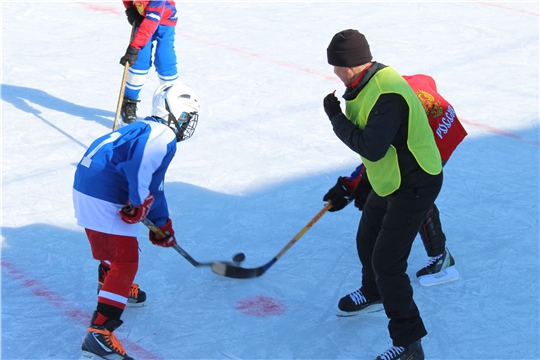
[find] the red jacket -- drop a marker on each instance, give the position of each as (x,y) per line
(155,13)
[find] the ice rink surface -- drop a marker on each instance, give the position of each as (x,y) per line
(255,172)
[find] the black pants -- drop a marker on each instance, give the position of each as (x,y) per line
(431,233)
(387,229)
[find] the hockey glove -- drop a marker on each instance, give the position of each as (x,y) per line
(167,241)
(130,56)
(133,214)
(359,181)
(339,195)
(361,193)
(331,105)
(133,16)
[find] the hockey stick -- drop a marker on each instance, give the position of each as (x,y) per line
(150,225)
(235,271)
(122,86)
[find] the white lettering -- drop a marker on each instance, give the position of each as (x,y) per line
(446,123)
(87,160)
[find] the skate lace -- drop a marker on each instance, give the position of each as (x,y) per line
(434,260)
(392,353)
(111,339)
(134,292)
(358,297)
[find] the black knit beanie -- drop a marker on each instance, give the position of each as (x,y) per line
(348,48)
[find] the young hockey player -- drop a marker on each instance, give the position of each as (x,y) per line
(118,183)
(155,22)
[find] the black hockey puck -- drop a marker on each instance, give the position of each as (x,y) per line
(238,258)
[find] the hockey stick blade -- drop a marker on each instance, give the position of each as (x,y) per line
(237,272)
(150,225)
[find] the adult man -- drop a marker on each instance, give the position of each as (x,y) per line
(387,126)
(154,22)
(118,183)
(448,133)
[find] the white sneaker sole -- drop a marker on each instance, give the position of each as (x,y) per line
(443,276)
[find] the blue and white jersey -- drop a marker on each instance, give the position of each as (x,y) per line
(129,163)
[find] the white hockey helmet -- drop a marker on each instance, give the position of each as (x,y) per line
(176,106)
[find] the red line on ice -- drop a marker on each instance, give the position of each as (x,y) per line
(65,306)
(507,8)
(100,8)
(501,132)
(259,56)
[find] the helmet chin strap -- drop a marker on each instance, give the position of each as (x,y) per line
(171,121)
(178,130)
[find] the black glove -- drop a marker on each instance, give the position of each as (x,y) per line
(331,105)
(339,195)
(360,193)
(133,16)
(130,56)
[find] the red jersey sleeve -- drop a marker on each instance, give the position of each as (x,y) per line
(152,12)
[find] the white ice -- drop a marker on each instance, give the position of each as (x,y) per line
(255,172)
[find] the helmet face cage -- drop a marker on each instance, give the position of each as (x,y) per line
(184,128)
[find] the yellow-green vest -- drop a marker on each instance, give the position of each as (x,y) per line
(384,174)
